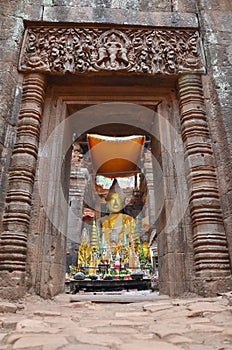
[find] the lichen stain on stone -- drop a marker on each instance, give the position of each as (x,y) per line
(212,38)
(223,86)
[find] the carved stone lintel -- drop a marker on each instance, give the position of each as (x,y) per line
(13,240)
(209,239)
(77,50)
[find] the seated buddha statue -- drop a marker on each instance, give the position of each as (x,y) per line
(118,230)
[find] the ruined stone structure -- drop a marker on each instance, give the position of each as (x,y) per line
(117,67)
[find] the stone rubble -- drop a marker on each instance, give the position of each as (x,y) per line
(163,323)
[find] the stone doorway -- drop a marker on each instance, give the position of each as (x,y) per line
(96,108)
(193,255)
(159,190)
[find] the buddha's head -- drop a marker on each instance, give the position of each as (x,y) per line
(115,202)
(115,198)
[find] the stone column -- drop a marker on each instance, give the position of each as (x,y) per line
(16,219)
(148,167)
(209,239)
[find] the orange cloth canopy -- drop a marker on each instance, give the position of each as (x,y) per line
(115,156)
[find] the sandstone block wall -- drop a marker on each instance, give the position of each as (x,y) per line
(215,22)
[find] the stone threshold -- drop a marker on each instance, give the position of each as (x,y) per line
(121,298)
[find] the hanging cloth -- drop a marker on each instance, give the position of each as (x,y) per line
(115,156)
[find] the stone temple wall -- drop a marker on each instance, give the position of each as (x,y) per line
(215,19)
(215,27)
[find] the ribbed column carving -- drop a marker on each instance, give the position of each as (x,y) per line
(209,239)
(13,240)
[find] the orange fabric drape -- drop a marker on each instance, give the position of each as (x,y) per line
(115,156)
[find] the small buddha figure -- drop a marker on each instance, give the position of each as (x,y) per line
(118,229)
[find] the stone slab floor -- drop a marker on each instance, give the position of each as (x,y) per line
(115,322)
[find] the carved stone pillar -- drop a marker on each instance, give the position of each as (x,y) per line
(148,167)
(13,240)
(209,239)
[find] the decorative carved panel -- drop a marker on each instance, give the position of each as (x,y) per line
(78,50)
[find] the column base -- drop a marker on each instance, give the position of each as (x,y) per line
(12,285)
(210,287)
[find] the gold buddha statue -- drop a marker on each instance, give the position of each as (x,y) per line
(118,230)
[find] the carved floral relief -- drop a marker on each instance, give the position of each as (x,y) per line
(76,50)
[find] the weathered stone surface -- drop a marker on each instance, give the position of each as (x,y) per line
(9,324)
(12,338)
(227,331)
(51,342)
(100,328)
(179,339)
(34,326)
(206,307)
(115,4)
(163,331)
(135,322)
(81,346)
(134,315)
(200,347)
(206,328)
(87,15)
(157,307)
(44,313)
(98,339)
(138,345)
(2,336)
(8,307)
(221,317)
(4,347)
(117,330)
